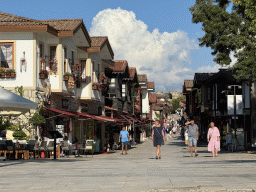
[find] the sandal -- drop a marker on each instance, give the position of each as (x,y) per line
(159,157)
(156,157)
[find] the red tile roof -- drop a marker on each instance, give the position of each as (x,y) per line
(98,41)
(54,26)
(9,19)
(120,66)
(63,24)
(152,98)
(142,77)
(151,85)
(132,72)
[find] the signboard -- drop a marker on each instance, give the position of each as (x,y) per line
(239,104)
(230,104)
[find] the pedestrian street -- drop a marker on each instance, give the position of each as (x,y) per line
(137,171)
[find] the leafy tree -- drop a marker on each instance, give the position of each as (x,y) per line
(176,103)
(227,32)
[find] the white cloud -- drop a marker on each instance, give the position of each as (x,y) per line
(215,68)
(162,56)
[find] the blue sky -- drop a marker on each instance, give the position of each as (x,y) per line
(168,28)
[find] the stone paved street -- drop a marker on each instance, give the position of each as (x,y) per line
(137,171)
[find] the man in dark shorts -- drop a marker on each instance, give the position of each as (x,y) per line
(193,136)
(124,138)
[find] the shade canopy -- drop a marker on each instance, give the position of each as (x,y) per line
(12,102)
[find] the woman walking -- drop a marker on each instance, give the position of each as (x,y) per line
(158,138)
(213,138)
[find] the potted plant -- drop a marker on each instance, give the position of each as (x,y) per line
(8,72)
(12,72)
(95,85)
(2,72)
(66,76)
(43,74)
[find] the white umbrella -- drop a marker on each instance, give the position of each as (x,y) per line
(13,102)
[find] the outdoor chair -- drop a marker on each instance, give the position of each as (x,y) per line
(50,148)
(2,148)
(43,147)
(89,146)
(31,147)
(9,147)
(65,146)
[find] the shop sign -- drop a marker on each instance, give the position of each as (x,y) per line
(230,104)
(239,104)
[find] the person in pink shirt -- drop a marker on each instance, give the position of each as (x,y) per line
(213,138)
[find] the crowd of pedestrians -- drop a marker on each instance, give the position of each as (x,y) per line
(189,131)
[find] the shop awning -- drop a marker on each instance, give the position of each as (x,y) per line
(60,111)
(133,119)
(127,119)
(99,118)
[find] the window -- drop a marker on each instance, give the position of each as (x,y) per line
(93,72)
(41,55)
(209,93)
(7,55)
(98,71)
(83,65)
(52,52)
(123,92)
(73,57)
(65,60)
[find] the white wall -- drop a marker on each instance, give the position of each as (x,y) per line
(145,101)
(24,42)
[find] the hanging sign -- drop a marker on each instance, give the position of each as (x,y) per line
(239,104)
(230,104)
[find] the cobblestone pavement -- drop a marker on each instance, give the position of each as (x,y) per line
(137,171)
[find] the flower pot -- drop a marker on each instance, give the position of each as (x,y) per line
(2,75)
(66,78)
(13,74)
(7,74)
(94,87)
(42,76)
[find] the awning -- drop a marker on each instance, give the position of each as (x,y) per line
(127,119)
(60,111)
(99,118)
(133,119)
(12,102)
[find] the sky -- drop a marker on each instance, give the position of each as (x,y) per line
(155,36)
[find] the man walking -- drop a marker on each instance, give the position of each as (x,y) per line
(193,136)
(124,137)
